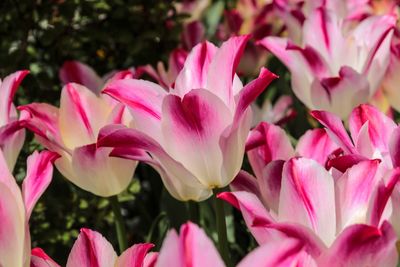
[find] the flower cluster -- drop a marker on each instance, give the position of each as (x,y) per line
(330,198)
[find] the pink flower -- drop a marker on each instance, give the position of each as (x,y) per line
(278,113)
(343,217)
(335,69)
(161,75)
(91,249)
(71,131)
(77,72)
(191,247)
(195,133)
(16,206)
(11,135)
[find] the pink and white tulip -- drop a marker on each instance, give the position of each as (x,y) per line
(71,131)
(16,206)
(278,113)
(324,213)
(335,69)
(191,247)
(12,137)
(161,75)
(91,249)
(77,72)
(195,133)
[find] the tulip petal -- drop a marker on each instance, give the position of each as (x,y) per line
(252,90)
(276,146)
(8,87)
(97,172)
(144,100)
(354,190)
(195,71)
(12,139)
(244,181)
(342,163)
(380,127)
(191,248)
(12,217)
(335,129)
(301,72)
(381,197)
(197,120)
(78,72)
(40,259)
(279,253)
(91,249)
(394,147)
(38,177)
(252,209)
(42,119)
(178,180)
(362,245)
(340,94)
(226,58)
(134,256)
(308,198)
(317,145)
(82,114)
(270,184)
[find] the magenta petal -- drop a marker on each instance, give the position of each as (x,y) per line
(78,72)
(307,197)
(252,90)
(91,249)
(191,248)
(279,253)
(179,181)
(362,245)
(244,181)
(335,129)
(8,87)
(40,259)
(316,144)
(195,71)
(252,209)
(38,178)
(134,256)
(380,127)
(354,190)
(197,120)
(226,58)
(381,197)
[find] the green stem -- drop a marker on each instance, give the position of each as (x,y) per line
(193,208)
(221,227)
(119,223)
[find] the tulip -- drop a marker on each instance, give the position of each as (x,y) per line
(373,136)
(16,206)
(77,72)
(161,75)
(195,133)
(71,131)
(11,135)
(359,245)
(345,216)
(191,247)
(335,69)
(92,249)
